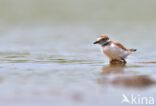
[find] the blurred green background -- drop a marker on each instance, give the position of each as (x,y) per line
(77,11)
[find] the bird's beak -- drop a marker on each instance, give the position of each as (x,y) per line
(96,42)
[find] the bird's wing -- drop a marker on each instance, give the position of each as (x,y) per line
(120,45)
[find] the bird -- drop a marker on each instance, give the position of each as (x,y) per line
(114,50)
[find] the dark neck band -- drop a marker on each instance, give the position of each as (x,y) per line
(105,44)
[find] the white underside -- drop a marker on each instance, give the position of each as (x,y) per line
(114,52)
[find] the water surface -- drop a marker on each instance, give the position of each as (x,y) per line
(58,65)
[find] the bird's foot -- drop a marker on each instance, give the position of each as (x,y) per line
(118,62)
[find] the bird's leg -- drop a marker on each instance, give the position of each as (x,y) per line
(124,61)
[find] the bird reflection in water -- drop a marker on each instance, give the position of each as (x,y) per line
(113,68)
(115,75)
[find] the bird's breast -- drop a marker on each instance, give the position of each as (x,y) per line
(113,52)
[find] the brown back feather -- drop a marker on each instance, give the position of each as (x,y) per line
(120,45)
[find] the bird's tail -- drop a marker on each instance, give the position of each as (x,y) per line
(132,50)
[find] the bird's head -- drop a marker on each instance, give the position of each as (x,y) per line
(102,39)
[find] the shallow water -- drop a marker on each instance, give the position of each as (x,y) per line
(58,65)
(47,56)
